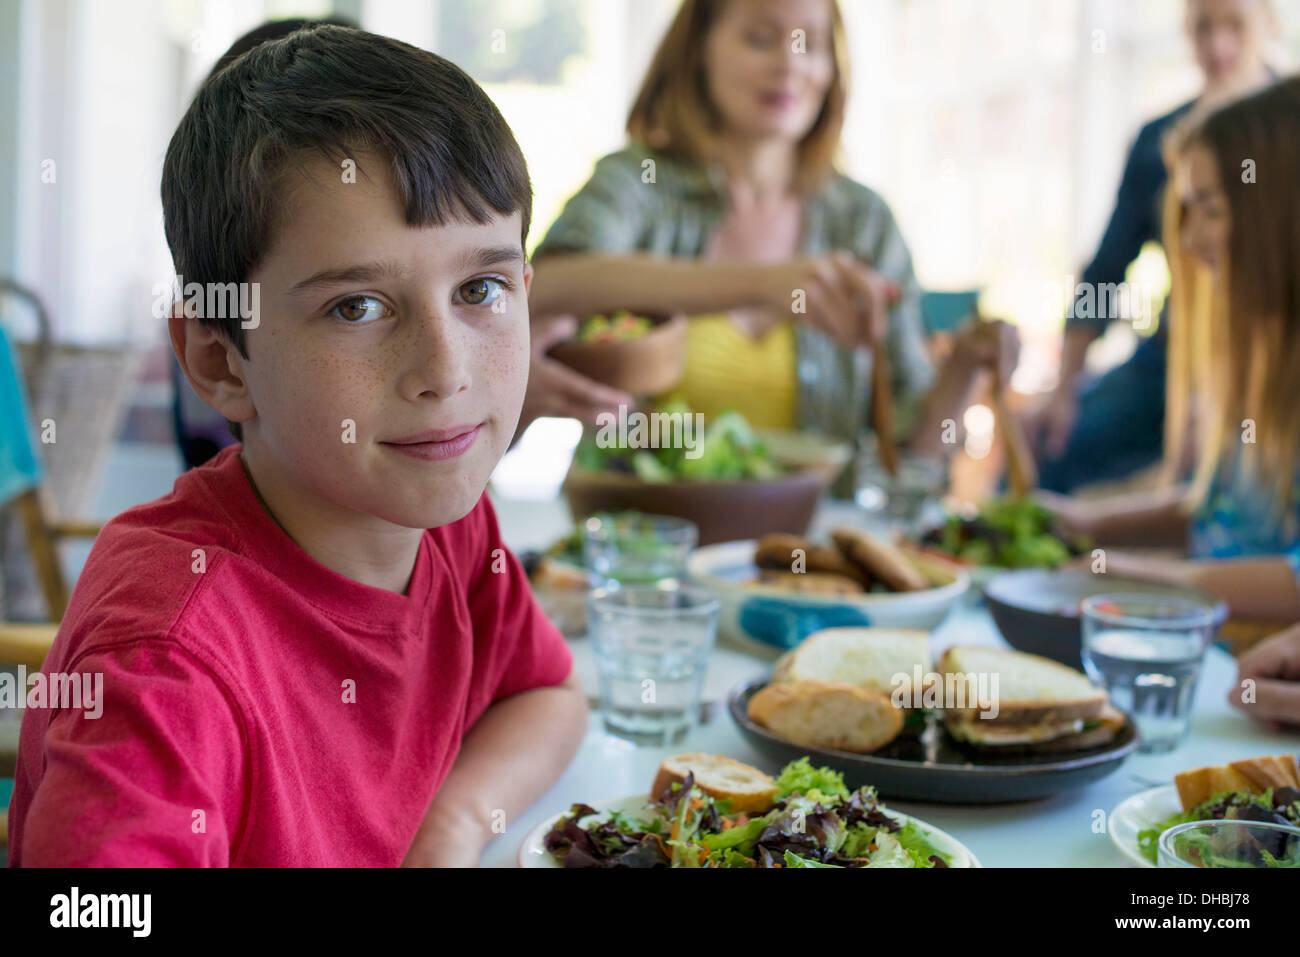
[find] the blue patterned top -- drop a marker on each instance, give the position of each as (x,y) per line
(1237,521)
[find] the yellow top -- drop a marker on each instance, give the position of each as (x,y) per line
(726,369)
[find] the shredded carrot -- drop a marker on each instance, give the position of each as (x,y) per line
(662,846)
(673,833)
(728,824)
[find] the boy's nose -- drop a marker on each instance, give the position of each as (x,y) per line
(437,364)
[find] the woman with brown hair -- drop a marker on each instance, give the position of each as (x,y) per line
(1233,234)
(726,202)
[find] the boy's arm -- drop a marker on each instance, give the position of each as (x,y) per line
(510,758)
(526,715)
(148,775)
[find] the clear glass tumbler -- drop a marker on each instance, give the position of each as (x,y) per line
(652,647)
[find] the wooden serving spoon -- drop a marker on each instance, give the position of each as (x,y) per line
(1022,473)
(882,409)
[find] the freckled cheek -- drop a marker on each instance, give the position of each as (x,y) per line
(313,392)
(505,360)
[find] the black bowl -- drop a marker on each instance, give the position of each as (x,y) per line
(1037,610)
(936,768)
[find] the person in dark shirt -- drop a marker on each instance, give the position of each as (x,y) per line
(1112,426)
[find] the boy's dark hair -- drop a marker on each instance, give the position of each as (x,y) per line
(335,91)
(272,30)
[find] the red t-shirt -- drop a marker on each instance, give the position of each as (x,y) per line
(259,709)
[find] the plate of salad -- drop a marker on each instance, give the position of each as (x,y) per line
(808,818)
(1137,823)
(1005,533)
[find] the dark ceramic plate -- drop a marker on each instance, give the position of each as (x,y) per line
(937,769)
(1037,610)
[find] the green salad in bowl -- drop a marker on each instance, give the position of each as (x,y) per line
(727,448)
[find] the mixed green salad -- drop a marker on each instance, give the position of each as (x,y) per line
(1274,806)
(728,449)
(815,821)
(619,326)
(1006,533)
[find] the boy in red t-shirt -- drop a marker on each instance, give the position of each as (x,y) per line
(316,650)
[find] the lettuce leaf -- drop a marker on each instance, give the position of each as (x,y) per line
(801,777)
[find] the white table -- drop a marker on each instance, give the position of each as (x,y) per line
(1059,831)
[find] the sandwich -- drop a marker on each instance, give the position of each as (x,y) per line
(1011,702)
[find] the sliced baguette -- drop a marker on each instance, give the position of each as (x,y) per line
(1031,690)
(777,553)
(748,788)
(1252,775)
(827,714)
(879,559)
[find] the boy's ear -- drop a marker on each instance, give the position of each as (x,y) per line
(214,367)
(528,278)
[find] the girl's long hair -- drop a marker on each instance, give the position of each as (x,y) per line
(1234,357)
(673,111)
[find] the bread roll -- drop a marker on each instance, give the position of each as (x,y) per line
(827,714)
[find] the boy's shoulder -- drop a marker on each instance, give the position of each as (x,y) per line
(148,562)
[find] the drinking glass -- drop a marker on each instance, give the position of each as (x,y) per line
(651,646)
(633,548)
(1146,651)
(902,497)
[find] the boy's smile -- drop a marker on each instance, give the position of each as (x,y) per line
(386,377)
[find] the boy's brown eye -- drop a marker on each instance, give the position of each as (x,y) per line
(478,292)
(358,309)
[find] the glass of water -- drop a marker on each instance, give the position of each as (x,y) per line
(652,647)
(902,497)
(633,548)
(1146,651)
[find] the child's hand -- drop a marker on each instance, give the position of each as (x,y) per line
(1274,667)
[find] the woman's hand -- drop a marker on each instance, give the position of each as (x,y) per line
(556,390)
(1273,666)
(842,297)
(1051,424)
(1075,517)
(988,344)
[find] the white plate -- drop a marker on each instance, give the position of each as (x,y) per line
(533,853)
(776,620)
(1138,813)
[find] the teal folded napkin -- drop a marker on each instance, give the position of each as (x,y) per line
(20,468)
